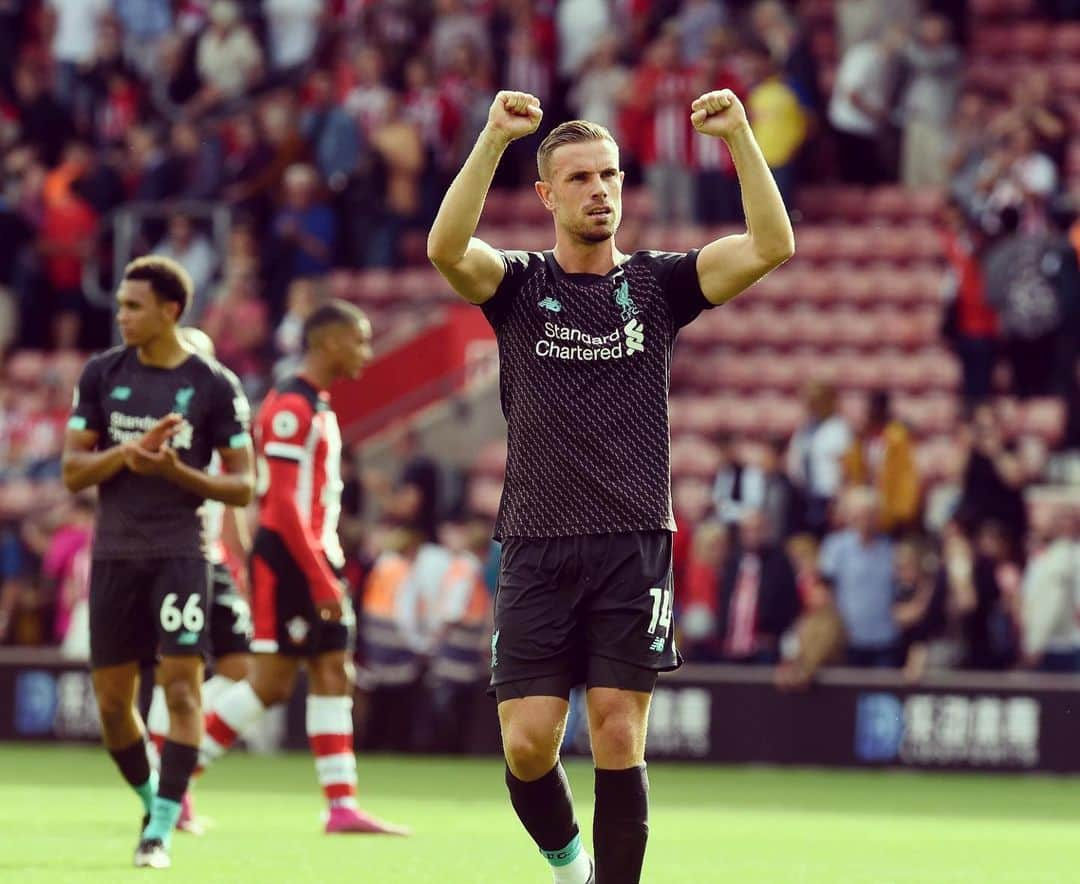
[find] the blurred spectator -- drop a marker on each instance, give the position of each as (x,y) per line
(438,119)
(333,135)
(145,24)
(781,503)
(293,30)
(369,97)
(860,20)
(1036,106)
(914,595)
(774,25)
(238,321)
(305,294)
(883,457)
(818,636)
(993,479)
(400,602)
(1015,174)
(758,599)
(595,94)
(659,95)
(776,116)
(857,562)
(68,227)
(716,186)
(228,58)
(1060,266)
(970,143)
(696,20)
(455,27)
(147,164)
(933,79)
(737,486)
(699,595)
(1051,602)
(192,249)
(1026,301)
(970,324)
(582,25)
(249,162)
(861,108)
(414,499)
(816,453)
(73,28)
(304,227)
(196,164)
(66,573)
(43,121)
(398,142)
(461,642)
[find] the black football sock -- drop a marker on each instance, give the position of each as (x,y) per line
(621,824)
(546,810)
(177,764)
(135,768)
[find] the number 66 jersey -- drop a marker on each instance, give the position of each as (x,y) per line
(296,559)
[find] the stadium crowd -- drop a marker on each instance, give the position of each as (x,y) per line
(329,131)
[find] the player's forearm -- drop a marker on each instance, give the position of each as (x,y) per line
(84,469)
(234,489)
(766,217)
(464,201)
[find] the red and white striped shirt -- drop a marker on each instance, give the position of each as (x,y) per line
(299,450)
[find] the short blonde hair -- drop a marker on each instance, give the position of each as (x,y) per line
(571,132)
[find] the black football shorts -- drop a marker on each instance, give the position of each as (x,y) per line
(230,616)
(142,607)
(592,609)
(286,620)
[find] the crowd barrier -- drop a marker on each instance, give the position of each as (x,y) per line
(1015,722)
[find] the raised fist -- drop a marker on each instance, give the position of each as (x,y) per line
(718,113)
(514,115)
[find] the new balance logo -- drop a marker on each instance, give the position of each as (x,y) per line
(551,304)
(121,393)
(657,645)
(635,337)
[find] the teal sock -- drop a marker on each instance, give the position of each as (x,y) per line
(567,855)
(147,791)
(163,816)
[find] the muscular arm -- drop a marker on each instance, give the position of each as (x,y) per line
(470,265)
(82,466)
(729,265)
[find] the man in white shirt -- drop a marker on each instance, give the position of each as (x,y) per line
(293,29)
(73,25)
(1051,603)
(860,107)
(815,455)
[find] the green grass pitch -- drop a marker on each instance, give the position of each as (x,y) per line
(65,817)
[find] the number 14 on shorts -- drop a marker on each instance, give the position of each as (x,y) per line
(662,600)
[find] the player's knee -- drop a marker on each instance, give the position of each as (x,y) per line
(182,698)
(617,741)
(529,754)
(117,713)
(271,691)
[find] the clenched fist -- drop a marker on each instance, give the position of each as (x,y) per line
(514,115)
(719,113)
